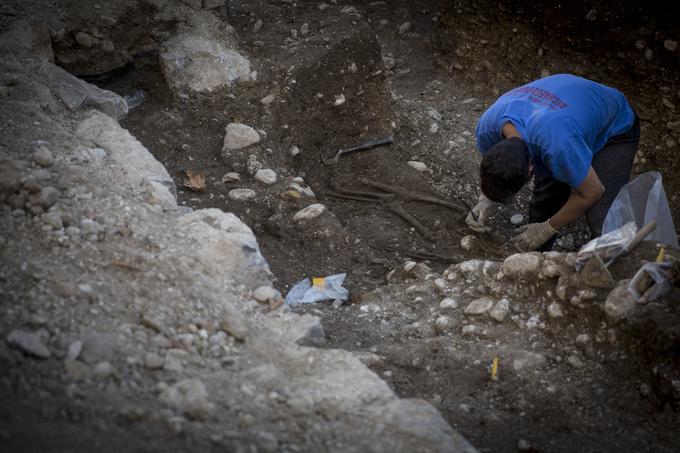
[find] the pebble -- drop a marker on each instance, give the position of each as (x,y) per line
(84,39)
(294,151)
(517,219)
(670,45)
(522,264)
(416,165)
(468,242)
(74,350)
(619,303)
(405,27)
(48,197)
(409,266)
(575,361)
(444,324)
(103,370)
(304,29)
(77,370)
(43,157)
(240,136)
(479,306)
(266,294)
(258,25)
(527,360)
(190,397)
(555,310)
(231,177)
(310,212)
(153,361)
(53,218)
(523,445)
(241,194)
(448,304)
(89,226)
(98,347)
(267,100)
(28,342)
(472,330)
(501,310)
(266,176)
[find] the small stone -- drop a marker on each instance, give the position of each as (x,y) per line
(522,264)
(253,165)
(231,177)
(479,306)
(417,166)
(448,304)
(174,359)
(153,361)
(43,157)
(517,219)
(266,176)
(29,342)
(267,100)
(575,361)
(294,151)
(409,266)
(523,445)
(89,226)
(77,370)
(405,27)
(310,212)
(98,347)
(48,197)
(84,39)
(649,54)
(239,136)
(468,242)
(103,370)
(266,294)
(241,194)
(472,330)
(74,350)
(527,360)
(555,311)
(53,218)
(190,397)
(670,45)
(471,268)
(257,26)
(444,324)
(501,310)
(582,339)
(304,29)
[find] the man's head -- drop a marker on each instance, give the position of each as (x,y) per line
(505,168)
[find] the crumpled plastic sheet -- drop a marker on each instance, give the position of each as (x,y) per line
(641,201)
(303,292)
(661,286)
(606,245)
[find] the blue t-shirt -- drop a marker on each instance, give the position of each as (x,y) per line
(563,119)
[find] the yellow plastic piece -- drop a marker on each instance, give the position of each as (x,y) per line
(319,282)
(661,256)
(494,369)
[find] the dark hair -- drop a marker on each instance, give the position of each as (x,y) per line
(505,169)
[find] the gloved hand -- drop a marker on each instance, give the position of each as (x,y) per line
(532,236)
(478,216)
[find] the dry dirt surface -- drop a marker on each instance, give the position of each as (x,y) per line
(162,305)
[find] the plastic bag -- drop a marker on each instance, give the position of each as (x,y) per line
(329,288)
(657,284)
(643,200)
(607,245)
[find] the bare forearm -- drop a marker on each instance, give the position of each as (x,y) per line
(574,208)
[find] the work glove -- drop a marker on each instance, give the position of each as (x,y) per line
(532,236)
(478,216)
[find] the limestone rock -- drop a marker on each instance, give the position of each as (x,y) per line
(522,265)
(43,157)
(501,310)
(417,166)
(239,136)
(444,324)
(190,397)
(527,361)
(195,63)
(310,212)
(620,303)
(241,194)
(28,342)
(555,310)
(468,242)
(471,268)
(448,304)
(479,306)
(266,294)
(266,176)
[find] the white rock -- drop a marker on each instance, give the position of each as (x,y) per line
(555,310)
(190,397)
(468,242)
(670,45)
(266,294)
(310,212)
(472,330)
(619,303)
(102,370)
(522,264)
(267,100)
(241,194)
(471,268)
(444,324)
(231,177)
(418,166)
(339,100)
(74,350)
(501,310)
(192,62)
(479,306)
(294,150)
(517,219)
(43,157)
(403,28)
(304,29)
(28,342)
(448,304)
(239,136)
(266,176)
(153,361)
(408,267)
(527,360)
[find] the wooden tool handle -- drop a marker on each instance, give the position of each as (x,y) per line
(640,236)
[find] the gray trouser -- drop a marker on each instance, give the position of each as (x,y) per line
(612,164)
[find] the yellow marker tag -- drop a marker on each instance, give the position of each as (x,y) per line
(319,282)
(494,369)
(661,256)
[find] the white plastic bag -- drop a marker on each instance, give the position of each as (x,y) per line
(607,245)
(643,200)
(659,274)
(329,288)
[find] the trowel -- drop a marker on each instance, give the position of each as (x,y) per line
(363,146)
(596,271)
